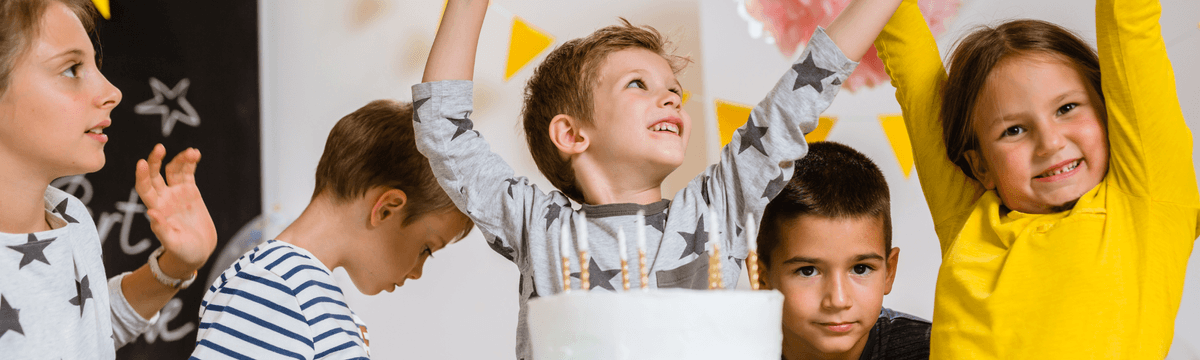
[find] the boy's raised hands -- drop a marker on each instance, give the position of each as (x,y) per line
(176,211)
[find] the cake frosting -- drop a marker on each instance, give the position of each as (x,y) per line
(657,324)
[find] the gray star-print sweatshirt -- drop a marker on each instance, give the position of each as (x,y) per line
(522,222)
(55,302)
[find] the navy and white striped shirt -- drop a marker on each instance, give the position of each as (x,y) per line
(278,301)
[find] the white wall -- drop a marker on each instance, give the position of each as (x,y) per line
(321,60)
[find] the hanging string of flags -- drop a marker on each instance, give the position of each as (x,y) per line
(527,42)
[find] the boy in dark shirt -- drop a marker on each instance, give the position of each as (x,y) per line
(826,244)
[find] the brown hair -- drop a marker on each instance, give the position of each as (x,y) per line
(563,84)
(375,146)
(833,181)
(980,52)
(22,24)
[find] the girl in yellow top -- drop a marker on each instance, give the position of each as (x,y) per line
(1065,202)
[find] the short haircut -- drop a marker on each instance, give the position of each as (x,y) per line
(22,22)
(375,146)
(978,54)
(563,84)
(832,181)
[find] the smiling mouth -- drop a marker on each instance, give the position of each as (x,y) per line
(1061,169)
(839,327)
(97,131)
(665,127)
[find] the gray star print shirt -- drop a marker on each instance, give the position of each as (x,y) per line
(55,302)
(522,222)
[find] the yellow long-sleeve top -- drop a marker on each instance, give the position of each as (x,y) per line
(1102,280)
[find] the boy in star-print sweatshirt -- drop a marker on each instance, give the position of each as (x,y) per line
(605,124)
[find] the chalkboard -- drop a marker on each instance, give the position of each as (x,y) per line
(188,72)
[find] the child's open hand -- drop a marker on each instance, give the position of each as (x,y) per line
(176,211)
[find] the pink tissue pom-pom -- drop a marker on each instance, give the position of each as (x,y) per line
(792,22)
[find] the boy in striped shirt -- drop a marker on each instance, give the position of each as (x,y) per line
(377,211)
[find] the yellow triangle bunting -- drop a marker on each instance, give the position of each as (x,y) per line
(822,131)
(525,44)
(103,8)
(730,117)
(897,134)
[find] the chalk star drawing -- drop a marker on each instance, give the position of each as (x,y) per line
(157,105)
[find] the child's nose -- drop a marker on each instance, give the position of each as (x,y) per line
(1050,140)
(109,95)
(671,99)
(836,295)
(417,269)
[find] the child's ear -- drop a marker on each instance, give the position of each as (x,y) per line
(567,134)
(892,259)
(762,276)
(388,205)
(979,167)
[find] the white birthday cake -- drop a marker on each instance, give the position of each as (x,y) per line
(657,324)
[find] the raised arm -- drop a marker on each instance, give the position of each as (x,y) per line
(910,56)
(506,208)
(453,54)
(756,165)
(859,24)
(1150,146)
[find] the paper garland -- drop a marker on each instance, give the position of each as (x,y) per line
(525,43)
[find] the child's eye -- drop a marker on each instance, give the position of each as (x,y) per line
(427,252)
(1066,109)
(71,71)
(862,269)
(677,91)
(807,271)
(638,83)
(1013,131)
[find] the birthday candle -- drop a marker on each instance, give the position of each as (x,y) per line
(624,258)
(714,266)
(752,245)
(714,258)
(565,248)
(581,236)
(641,242)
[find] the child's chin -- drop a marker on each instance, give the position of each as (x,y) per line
(669,162)
(835,347)
(85,169)
(371,292)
